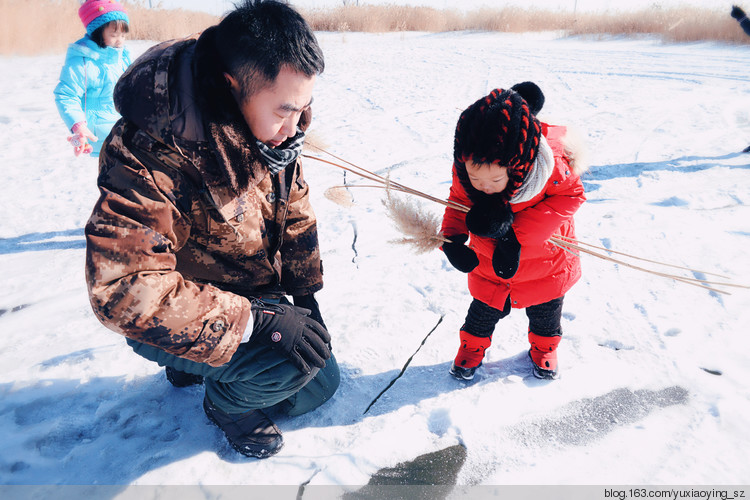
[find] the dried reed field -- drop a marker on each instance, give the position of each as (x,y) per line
(56,24)
(58,21)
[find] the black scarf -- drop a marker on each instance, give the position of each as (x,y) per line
(277,159)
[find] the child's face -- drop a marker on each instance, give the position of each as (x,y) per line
(489,178)
(114,36)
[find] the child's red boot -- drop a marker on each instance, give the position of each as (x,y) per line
(470,355)
(543,355)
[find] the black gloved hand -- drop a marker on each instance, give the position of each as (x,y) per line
(489,219)
(292,332)
(506,255)
(737,13)
(309,302)
(459,255)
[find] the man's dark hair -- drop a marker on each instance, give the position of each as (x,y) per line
(259,37)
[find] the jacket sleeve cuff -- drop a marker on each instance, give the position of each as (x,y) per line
(248,330)
(304,290)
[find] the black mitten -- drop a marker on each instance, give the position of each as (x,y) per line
(309,302)
(506,255)
(292,332)
(459,255)
(737,13)
(490,220)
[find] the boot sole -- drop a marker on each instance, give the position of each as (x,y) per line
(259,454)
(182,381)
(541,373)
(461,376)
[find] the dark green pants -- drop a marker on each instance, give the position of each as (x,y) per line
(255,377)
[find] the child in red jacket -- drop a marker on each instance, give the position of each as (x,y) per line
(517,176)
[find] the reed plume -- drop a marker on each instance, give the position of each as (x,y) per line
(422,228)
(339,195)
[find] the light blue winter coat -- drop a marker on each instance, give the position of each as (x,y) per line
(87,81)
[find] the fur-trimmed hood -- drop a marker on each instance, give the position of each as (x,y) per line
(575,151)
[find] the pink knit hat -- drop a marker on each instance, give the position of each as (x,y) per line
(96,13)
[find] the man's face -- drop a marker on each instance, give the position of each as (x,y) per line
(273,112)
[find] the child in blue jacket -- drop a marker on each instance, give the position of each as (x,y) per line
(92,67)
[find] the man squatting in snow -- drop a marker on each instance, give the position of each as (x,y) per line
(204,226)
(521,181)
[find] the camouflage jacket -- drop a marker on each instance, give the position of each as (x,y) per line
(189,222)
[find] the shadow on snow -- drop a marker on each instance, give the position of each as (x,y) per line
(113,430)
(685,164)
(35,242)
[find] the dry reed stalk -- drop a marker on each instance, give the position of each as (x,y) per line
(566,239)
(422,229)
(423,234)
(363,172)
(690,281)
(340,194)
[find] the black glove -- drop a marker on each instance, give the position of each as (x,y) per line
(309,302)
(489,219)
(506,255)
(737,13)
(459,255)
(291,331)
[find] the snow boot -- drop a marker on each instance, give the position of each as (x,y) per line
(251,433)
(182,379)
(470,355)
(543,354)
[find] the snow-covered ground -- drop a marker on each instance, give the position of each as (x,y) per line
(654,386)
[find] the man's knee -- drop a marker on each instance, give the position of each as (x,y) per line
(319,390)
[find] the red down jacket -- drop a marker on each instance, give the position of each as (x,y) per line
(545,271)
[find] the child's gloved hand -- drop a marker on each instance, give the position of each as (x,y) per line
(459,255)
(489,220)
(506,255)
(737,13)
(80,139)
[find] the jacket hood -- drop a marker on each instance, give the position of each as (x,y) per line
(142,95)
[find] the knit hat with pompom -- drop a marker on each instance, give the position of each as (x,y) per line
(500,128)
(96,13)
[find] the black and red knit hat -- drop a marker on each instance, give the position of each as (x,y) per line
(500,128)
